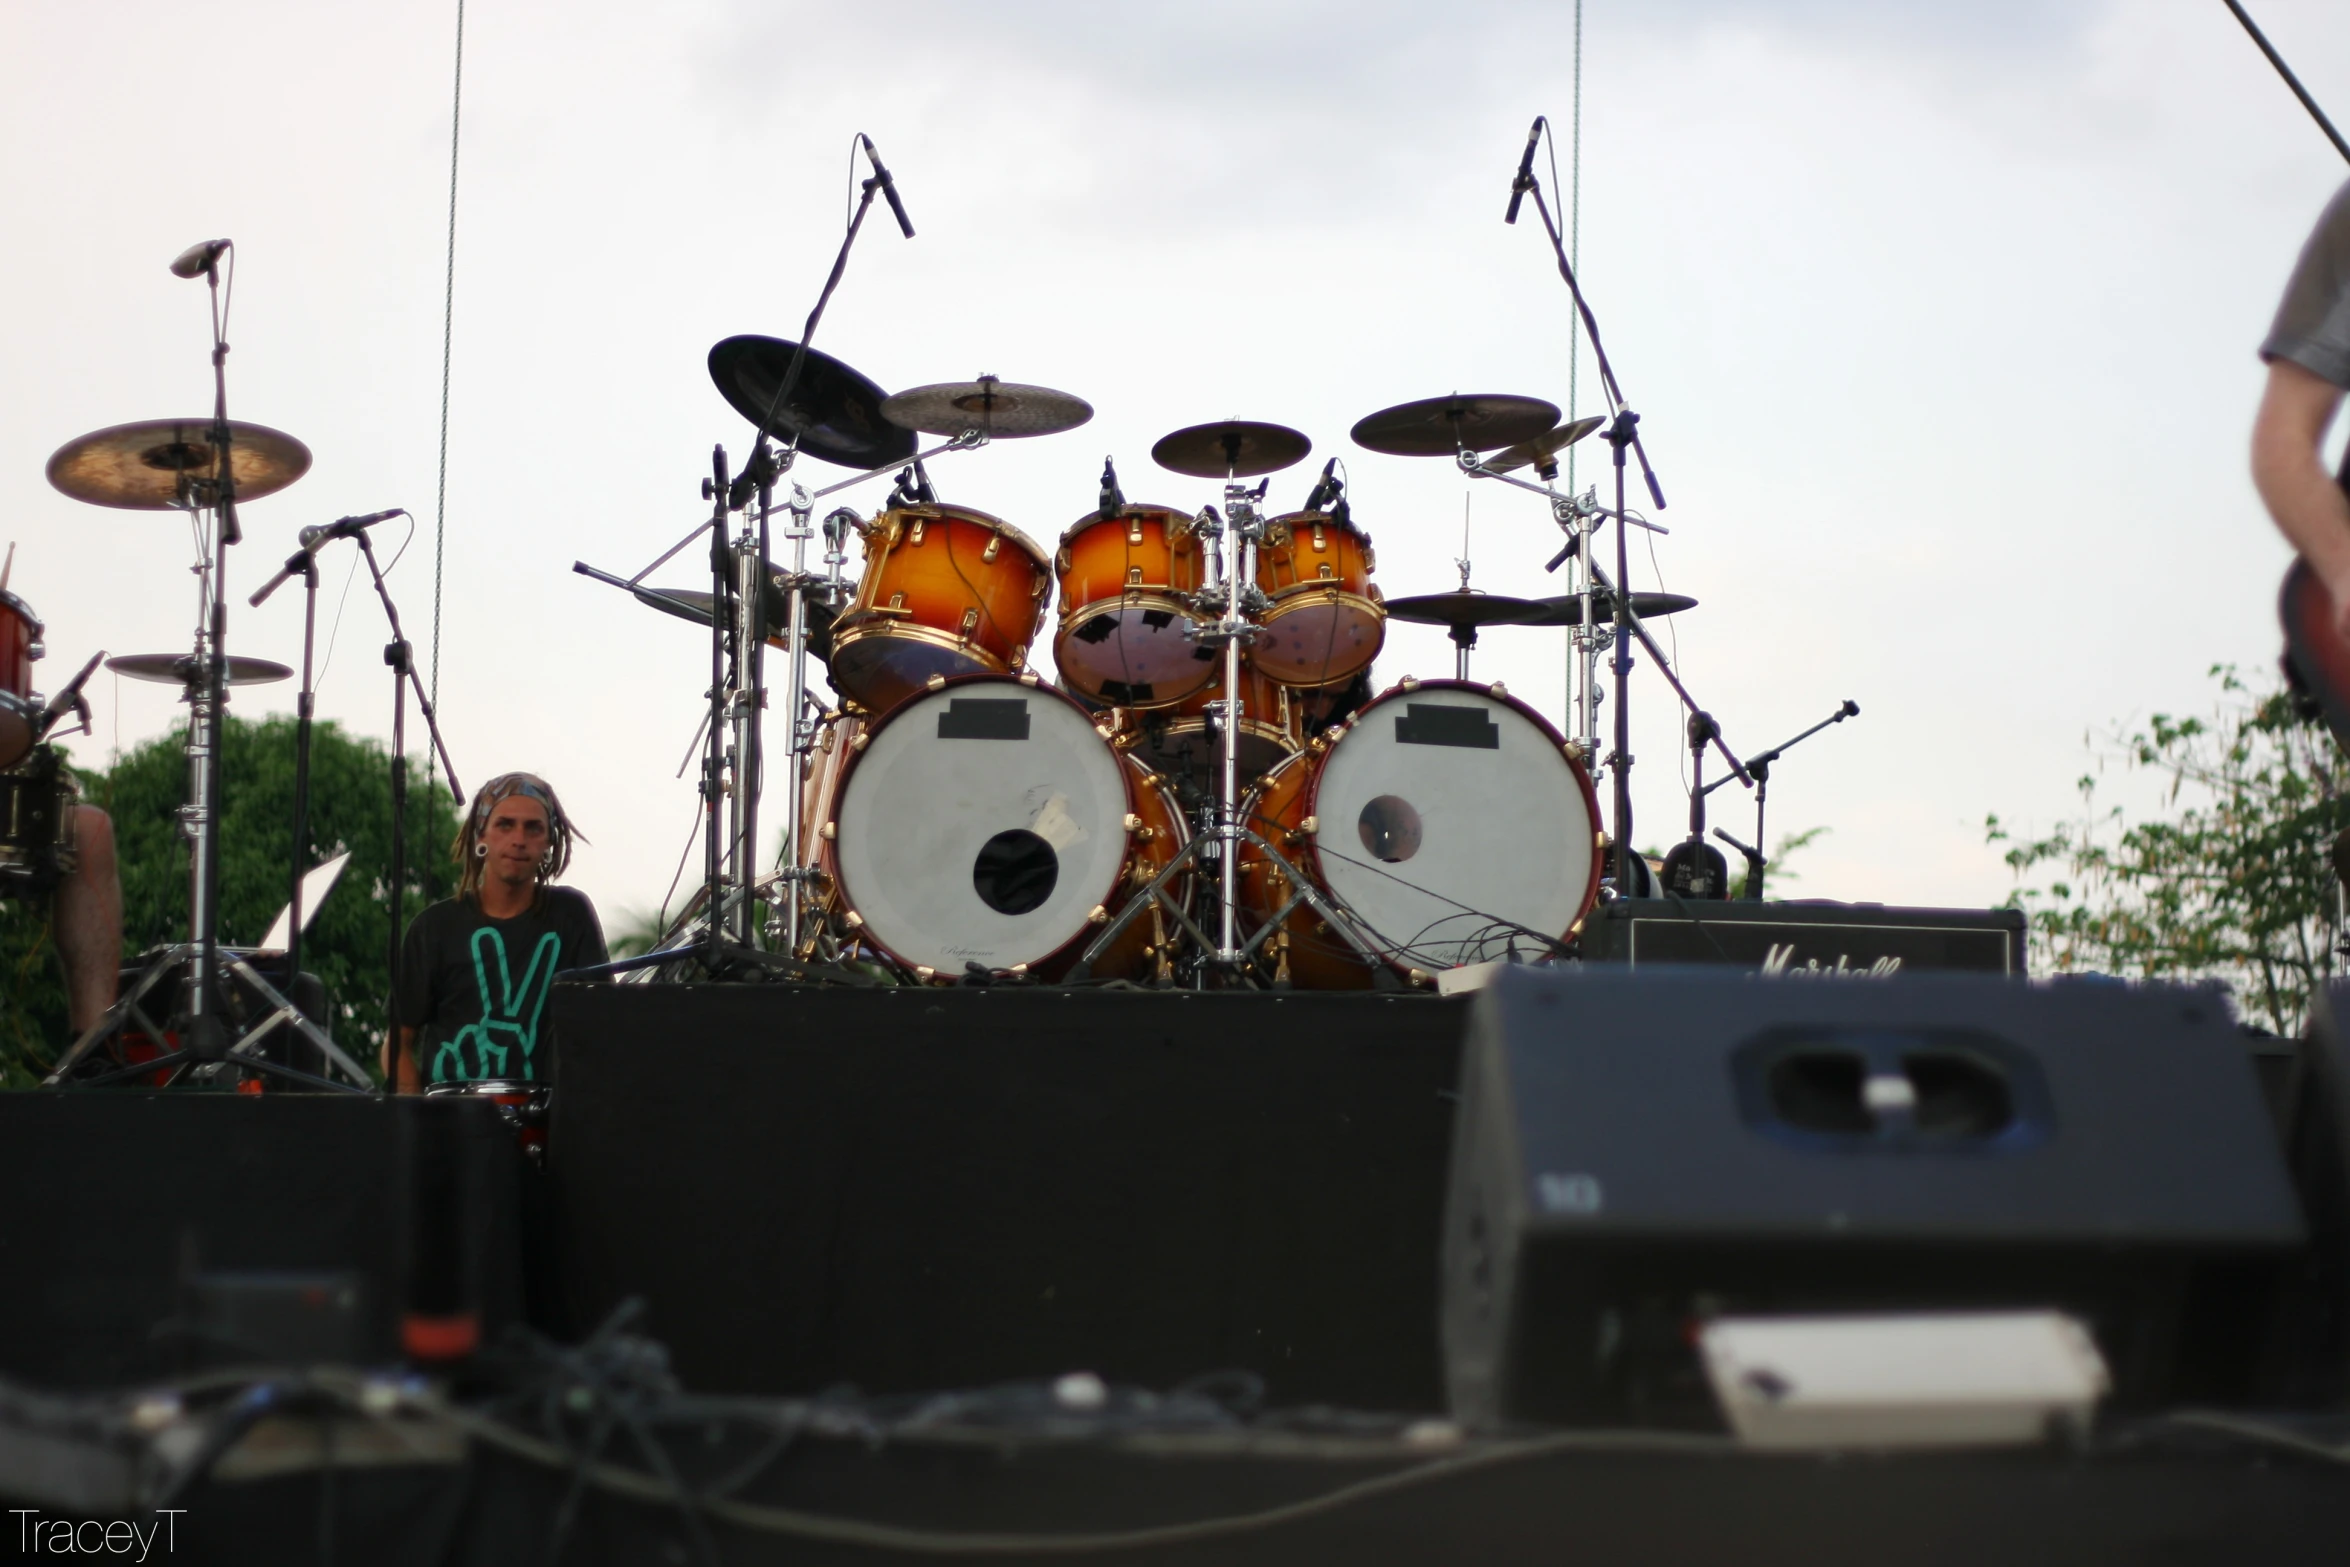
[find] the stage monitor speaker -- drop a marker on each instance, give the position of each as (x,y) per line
(1635,1153)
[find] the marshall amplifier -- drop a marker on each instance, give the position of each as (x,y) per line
(1827,940)
(1636,1154)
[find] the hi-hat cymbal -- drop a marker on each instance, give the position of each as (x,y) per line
(1441,426)
(1567,609)
(1005,410)
(694,605)
(158,464)
(1242,448)
(1544,447)
(835,412)
(1465,609)
(178,669)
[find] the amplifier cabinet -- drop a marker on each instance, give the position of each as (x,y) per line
(1826,940)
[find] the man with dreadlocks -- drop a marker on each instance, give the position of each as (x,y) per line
(475,969)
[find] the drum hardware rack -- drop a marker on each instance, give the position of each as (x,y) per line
(202,961)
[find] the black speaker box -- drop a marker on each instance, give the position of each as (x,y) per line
(1635,1153)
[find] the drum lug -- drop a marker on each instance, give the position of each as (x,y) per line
(1061,560)
(1134,530)
(862,741)
(1134,824)
(1310,826)
(1321,544)
(995,547)
(1328,575)
(1134,576)
(970,623)
(1097,915)
(914,534)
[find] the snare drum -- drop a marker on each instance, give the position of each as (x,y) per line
(947,591)
(1183,741)
(1126,586)
(1449,817)
(990,823)
(20,646)
(1327,621)
(522,1106)
(37,800)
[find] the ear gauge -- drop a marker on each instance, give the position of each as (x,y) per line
(481,851)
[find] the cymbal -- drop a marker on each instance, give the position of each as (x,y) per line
(1440,426)
(694,605)
(1567,609)
(1005,410)
(1240,447)
(177,669)
(1543,447)
(139,467)
(835,411)
(1464,609)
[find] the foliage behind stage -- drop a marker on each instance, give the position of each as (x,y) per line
(350,808)
(2231,879)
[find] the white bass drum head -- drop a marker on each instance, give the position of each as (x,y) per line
(982,824)
(1446,815)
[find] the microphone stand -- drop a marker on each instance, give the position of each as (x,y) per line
(1760,767)
(305,705)
(1623,434)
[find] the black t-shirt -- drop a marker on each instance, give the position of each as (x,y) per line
(475,988)
(2312,326)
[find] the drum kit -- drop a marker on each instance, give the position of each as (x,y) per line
(1210,793)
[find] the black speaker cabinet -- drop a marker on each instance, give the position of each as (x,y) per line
(1637,1152)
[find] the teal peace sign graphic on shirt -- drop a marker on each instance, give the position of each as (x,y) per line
(509,1012)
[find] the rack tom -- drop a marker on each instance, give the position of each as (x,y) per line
(947,591)
(1126,604)
(20,648)
(1327,621)
(1186,740)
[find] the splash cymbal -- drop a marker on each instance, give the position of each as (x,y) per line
(159,464)
(178,669)
(835,412)
(1567,609)
(1441,426)
(1005,410)
(1542,448)
(1240,447)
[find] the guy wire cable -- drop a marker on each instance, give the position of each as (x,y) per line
(1574,259)
(448,324)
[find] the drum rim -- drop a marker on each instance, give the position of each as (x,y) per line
(955,511)
(1144,509)
(914,631)
(1309,803)
(17,602)
(1131,769)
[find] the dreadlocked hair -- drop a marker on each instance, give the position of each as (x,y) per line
(560,831)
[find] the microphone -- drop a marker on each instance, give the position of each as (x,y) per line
(889,187)
(313,539)
(1113,499)
(347,527)
(1851,709)
(1525,180)
(199,258)
(1326,491)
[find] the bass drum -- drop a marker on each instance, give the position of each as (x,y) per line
(990,823)
(1448,817)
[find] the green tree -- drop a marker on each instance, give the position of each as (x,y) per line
(2231,881)
(347,939)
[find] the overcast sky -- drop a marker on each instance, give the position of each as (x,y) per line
(1941,320)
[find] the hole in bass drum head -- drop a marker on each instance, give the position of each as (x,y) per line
(1015,872)
(1390,829)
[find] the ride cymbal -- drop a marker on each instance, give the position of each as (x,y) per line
(160,464)
(1441,426)
(1567,609)
(1005,410)
(834,411)
(179,669)
(1464,609)
(1242,448)
(1544,447)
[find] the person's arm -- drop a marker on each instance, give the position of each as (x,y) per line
(2288,468)
(407,1082)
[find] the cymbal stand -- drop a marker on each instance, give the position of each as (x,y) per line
(1232,592)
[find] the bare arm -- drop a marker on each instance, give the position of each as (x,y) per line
(2289,470)
(407,1083)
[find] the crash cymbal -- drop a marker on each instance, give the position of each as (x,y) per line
(1440,426)
(174,669)
(1005,410)
(1567,610)
(1239,447)
(141,467)
(693,605)
(834,411)
(1465,609)
(1544,447)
